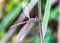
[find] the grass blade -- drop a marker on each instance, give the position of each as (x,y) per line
(46,17)
(24,31)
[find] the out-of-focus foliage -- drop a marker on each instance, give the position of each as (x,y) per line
(12,14)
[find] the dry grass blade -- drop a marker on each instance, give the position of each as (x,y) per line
(11,31)
(25,30)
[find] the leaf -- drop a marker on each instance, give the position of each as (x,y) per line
(46,17)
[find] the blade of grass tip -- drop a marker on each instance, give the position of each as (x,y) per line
(19,20)
(46,17)
(25,30)
(40,21)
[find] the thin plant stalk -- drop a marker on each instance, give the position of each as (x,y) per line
(40,20)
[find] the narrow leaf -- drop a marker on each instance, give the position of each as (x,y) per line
(46,17)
